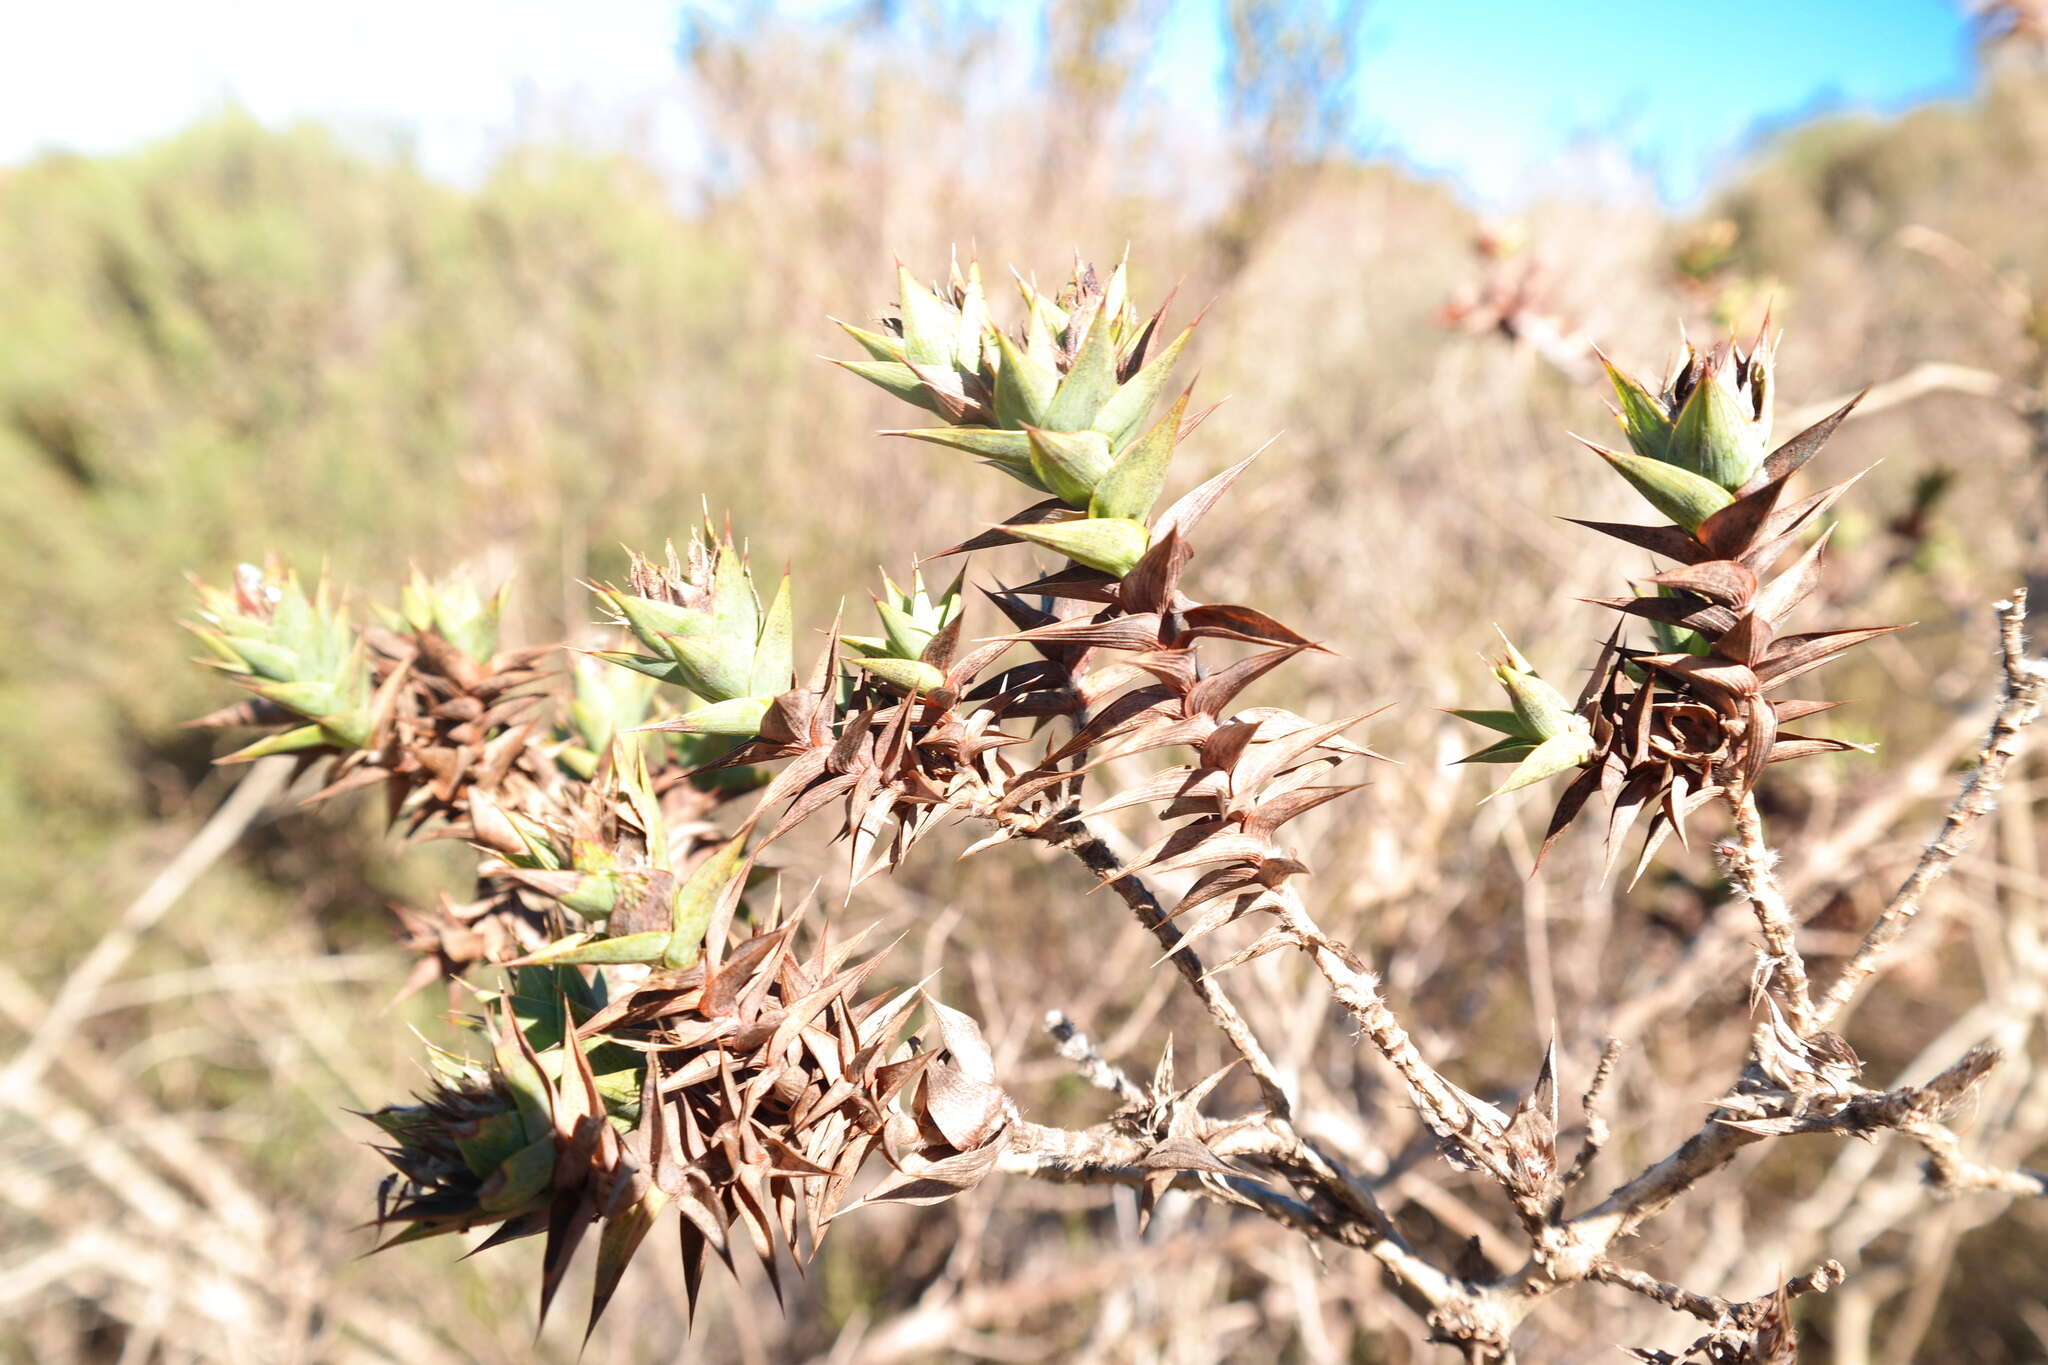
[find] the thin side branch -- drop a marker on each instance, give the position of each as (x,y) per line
(2026,689)
(1109,1155)
(1711,1308)
(1597,1131)
(1093,1067)
(1098,857)
(1951,1173)
(1460,1117)
(75,999)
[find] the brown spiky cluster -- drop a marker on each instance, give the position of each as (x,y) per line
(749,1092)
(609,887)
(456,726)
(458,739)
(1672,728)
(522,903)
(1117,641)
(1122,657)
(1250,771)
(442,723)
(467,741)
(1676,728)
(1514,293)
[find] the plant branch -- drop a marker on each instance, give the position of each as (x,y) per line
(2026,689)
(1094,853)
(1597,1130)
(1752,866)
(1711,1308)
(1094,1068)
(1114,1153)
(1460,1118)
(1949,1172)
(75,998)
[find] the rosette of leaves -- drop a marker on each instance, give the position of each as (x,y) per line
(918,635)
(1060,404)
(633,892)
(1712,421)
(705,631)
(435,710)
(298,655)
(1118,641)
(452,610)
(1543,734)
(751,1089)
(1693,719)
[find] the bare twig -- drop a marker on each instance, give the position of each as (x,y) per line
(1094,1068)
(1951,1173)
(1709,1307)
(1112,1154)
(2026,688)
(1096,855)
(1597,1131)
(74,1000)
(1577,1247)
(1752,866)
(1458,1117)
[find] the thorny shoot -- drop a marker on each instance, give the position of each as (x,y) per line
(659,1034)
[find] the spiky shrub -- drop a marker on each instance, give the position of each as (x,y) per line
(658,1029)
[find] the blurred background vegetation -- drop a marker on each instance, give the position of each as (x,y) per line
(247,338)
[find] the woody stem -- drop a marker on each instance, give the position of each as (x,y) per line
(1752,868)
(1093,853)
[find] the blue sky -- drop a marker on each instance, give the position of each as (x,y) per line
(1507,97)
(1491,90)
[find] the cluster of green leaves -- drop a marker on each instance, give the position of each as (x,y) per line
(1063,412)
(705,630)
(297,652)
(1542,733)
